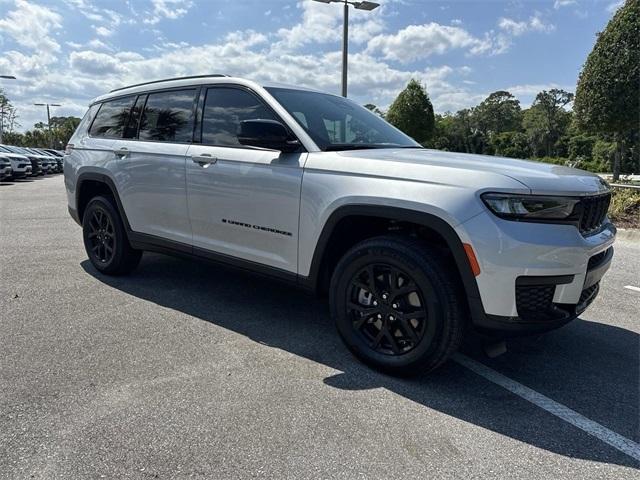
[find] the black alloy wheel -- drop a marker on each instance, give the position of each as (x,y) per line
(101,236)
(388,309)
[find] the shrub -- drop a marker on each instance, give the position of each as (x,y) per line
(625,205)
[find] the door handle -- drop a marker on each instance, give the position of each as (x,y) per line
(121,153)
(204,160)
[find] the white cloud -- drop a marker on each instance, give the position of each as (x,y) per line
(322,23)
(94,63)
(563,3)
(103,31)
(421,41)
(31,26)
(533,24)
(168,9)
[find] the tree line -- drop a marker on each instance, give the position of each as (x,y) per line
(601,133)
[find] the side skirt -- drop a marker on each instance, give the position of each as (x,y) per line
(151,243)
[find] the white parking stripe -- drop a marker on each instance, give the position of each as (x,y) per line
(610,437)
(635,289)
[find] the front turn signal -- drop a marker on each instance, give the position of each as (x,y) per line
(473,261)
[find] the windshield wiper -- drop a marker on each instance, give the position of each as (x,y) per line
(364,146)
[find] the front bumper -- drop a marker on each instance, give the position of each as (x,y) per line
(5,173)
(534,277)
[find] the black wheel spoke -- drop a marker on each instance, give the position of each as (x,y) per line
(386,308)
(362,309)
(408,330)
(372,279)
(404,290)
(393,342)
(378,338)
(101,236)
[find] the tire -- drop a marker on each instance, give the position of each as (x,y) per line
(105,238)
(405,330)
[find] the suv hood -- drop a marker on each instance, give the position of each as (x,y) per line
(538,177)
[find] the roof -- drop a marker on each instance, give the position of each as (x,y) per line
(193,80)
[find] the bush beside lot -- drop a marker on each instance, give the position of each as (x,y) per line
(625,208)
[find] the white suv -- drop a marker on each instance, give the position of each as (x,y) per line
(411,245)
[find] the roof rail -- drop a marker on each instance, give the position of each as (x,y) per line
(169,79)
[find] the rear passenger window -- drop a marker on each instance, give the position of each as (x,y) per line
(168,116)
(224,109)
(112,118)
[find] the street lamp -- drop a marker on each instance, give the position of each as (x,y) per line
(6,77)
(48,118)
(368,6)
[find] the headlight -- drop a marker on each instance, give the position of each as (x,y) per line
(530,207)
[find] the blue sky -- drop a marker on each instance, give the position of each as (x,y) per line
(69,51)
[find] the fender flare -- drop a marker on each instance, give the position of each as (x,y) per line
(435,223)
(102,178)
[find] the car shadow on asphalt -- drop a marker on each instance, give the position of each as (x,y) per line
(589,366)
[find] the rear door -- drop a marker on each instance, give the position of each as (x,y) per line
(151,163)
(243,202)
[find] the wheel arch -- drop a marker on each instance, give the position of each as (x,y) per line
(91,184)
(433,223)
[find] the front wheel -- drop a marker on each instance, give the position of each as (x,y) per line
(397,306)
(105,238)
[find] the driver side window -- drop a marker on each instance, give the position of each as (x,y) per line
(224,109)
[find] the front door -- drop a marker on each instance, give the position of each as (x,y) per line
(243,202)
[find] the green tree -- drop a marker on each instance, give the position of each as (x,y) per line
(499,112)
(511,144)
(550,119)
(412,112)
(608,93)
(8,116)
(581,146)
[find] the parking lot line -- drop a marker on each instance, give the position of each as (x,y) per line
(631,287)
(563,412)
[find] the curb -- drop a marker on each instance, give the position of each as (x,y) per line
(629,234)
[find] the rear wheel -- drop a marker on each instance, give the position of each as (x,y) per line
(397,306)
(105,238)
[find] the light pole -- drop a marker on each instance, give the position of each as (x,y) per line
(6,77)
(48,118)
(368,6)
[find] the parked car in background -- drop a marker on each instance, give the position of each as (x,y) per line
(20,164)
(5,167)
(54,156)
(52,160)
(36,164)
(58,155)
(48,159)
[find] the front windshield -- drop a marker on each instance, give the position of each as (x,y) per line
(336,123)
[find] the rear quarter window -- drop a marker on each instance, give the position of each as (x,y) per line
(112,118)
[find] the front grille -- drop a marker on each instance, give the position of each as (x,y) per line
(532,301)
(22,165)
(594,210)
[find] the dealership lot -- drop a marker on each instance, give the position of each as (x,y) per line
(187,370)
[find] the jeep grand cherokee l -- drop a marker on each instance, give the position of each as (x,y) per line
(412,245)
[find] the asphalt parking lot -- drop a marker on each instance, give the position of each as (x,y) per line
(187,370)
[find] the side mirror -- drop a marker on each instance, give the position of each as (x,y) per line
(266,134)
